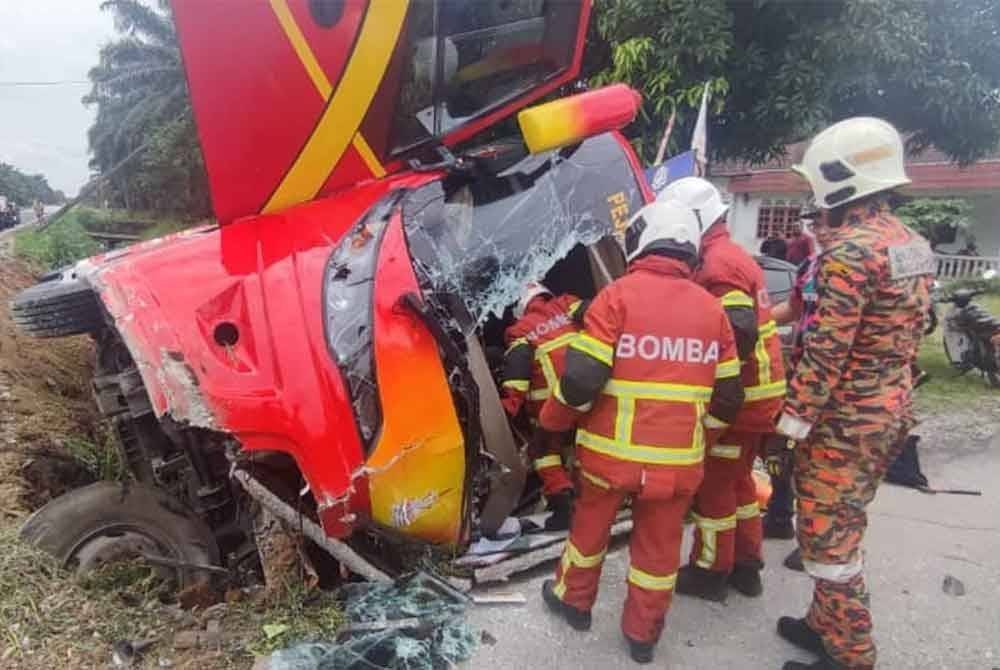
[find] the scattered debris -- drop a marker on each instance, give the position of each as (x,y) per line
(500,599)
(412,624)
(953,586)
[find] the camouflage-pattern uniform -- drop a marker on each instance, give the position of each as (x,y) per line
(853,385)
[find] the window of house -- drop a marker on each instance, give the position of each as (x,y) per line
(778,218)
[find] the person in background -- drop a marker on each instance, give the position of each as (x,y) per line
(775,247)
(849,399)
(800,247)
(535,357)
(645,390)
(727,549)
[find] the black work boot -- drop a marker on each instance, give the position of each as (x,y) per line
(794,561)
(578,619)
(561,505)
(778,529)
(745,578)
(823,663)
(705,584)
(798,632)
(641,652)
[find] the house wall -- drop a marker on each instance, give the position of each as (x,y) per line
(744,208)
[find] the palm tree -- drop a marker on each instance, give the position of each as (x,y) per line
(139,88)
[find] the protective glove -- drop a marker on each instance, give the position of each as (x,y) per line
(778,454)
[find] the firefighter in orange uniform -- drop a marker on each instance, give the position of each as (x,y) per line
(728,532)
(642,385)
(536,353)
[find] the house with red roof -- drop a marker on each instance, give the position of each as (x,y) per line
(766,199)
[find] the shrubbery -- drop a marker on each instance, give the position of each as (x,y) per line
(63,243)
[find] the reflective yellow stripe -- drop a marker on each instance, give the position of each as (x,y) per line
(711,422)
(517,384)
(764,391)
(553,461)
(768,329)
(658,391)
(637,453)
(730,368)
(736,299)
(346,105)
(745,512)
(550,346)
(709,528)
(595,480)
(725,451)
(763,361)
(573,558)
(574,307)
(540,394)
(521,341)
(594,348)
(644,580)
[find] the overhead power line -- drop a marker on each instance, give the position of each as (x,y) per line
(65,82)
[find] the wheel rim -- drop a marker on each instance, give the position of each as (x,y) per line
(119,543)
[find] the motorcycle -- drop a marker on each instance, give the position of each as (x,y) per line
(971,334)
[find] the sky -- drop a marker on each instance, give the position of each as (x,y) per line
(44,128)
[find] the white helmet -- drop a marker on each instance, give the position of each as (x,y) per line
(698,194)
(852,159)
(531,290)
(667,226)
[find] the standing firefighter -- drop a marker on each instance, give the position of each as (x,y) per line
(642,383)
(849,398)
(536,353)
(728,533)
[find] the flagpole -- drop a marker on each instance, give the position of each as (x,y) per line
(666,137)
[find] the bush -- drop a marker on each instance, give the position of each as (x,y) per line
(991,286)
(61,244)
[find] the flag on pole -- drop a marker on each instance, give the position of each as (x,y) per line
(661,152)
(699,139)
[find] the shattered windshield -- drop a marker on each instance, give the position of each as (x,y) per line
(480,239)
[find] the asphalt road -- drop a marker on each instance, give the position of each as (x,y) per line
(914,541)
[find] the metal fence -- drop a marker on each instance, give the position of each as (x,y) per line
(965,267)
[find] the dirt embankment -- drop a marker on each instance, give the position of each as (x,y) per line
(46,411)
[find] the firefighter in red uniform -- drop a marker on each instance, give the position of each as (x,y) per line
(642,383)
(536,353)
(728,532)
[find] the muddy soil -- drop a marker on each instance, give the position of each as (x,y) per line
(46,411)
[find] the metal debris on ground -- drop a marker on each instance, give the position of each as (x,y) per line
(416,623)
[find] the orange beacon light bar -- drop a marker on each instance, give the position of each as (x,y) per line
(569,120)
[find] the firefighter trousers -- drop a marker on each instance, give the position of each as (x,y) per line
(654,553)
(726,514)
(837,471)
(549,466)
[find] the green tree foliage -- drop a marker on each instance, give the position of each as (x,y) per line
(937,219)
(142,100)
(24,189)
(781,70)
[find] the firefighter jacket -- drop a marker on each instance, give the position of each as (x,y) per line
(653,366)
(536,351)
(731,274)
(874,279)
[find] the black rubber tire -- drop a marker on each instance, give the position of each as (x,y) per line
(58,306)
(65,524)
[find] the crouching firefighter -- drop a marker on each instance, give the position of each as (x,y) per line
(536,354)
(641,384)
(728,533)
